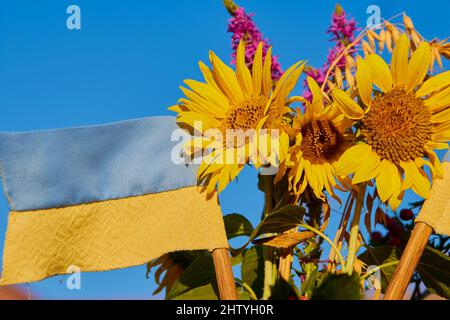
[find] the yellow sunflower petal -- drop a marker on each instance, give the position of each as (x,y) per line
(267,73)
(436,168)
(368,169)
(207,75)
(388,181)
(439,100)
(442,116)
(418,66)
(396,200)
(316,105)
(242,72)
(399,63)
(382,76)
(217,103)
(226,79)
(351,159)
(347,105)
(257,71)
(433,84)
(364,81)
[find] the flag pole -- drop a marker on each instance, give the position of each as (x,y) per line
(224,274)
(408,262)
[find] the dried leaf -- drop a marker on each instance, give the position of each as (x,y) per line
(408,23)
(338,77)
(285,240)
(349,76)
(388,41)
(382,40)
(380,217)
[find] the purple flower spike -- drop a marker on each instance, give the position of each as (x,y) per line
(343,31)
(241,25)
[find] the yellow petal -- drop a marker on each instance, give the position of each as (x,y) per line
(399,63)
(436,168)
(433,84)
(267,73)
(316,105)
(347,105)
(418,66)
(226,79)
(396,200)
(217,103)
(351,159)
(242,72)
(207,75)
(382,76)
(388,181)
(364,81)
(442,116)
(439,100)
(441,136)
(286,75)
(368,169)
(257,71)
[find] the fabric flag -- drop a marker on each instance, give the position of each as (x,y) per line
(100,198)
(436,211)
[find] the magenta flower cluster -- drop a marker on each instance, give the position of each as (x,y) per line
(343,31)
(242,26)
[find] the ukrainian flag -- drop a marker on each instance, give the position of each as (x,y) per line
(435,211)
(100,198)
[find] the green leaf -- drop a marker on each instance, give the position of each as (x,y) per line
(199,273)
(252,271)
(283,290)
(237,225)
(312,273)
(376,256)
(205,292)
(434,269)
(338,287)
(281,220)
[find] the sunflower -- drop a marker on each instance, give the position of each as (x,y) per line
(405,120)
(321,138)
(243,105)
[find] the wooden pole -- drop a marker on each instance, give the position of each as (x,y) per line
(408,262)
(224,274)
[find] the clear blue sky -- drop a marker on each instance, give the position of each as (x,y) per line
(128,61)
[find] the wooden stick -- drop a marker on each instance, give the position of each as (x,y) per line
(284,267)
(408,262)
(224,274)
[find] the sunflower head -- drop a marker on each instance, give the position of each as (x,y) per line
(243,109)
(321,138)
(406,117)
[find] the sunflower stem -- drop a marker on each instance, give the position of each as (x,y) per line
(354,229)
(269,253)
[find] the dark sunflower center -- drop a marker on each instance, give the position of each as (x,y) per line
(321,141)
(397,126)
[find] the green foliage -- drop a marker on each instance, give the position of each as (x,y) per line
(281,220)
(338,287)
(252,271)
(283,290)
(377,256)
(199,277)
(434,269)
(205,292)
(237,225)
